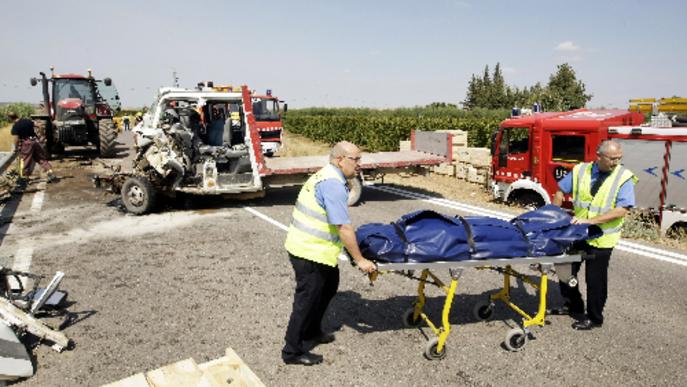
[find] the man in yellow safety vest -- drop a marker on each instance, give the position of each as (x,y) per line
(320,228)
(602,194)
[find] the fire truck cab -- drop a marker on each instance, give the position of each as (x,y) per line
(268,111)
(531,153)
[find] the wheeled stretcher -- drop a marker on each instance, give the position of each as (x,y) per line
(516,338)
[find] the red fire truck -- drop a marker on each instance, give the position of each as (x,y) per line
(268,120)
(530,153)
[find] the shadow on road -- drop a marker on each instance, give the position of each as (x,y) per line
(366,315)
(10,208)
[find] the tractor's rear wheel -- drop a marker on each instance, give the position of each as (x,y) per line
(107,133)
(40,126)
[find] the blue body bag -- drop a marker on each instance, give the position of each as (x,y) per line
(428,236)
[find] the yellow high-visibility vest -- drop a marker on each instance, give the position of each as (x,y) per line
(310,235)
(587,206)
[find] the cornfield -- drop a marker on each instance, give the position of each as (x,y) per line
(381,130)
(22,110)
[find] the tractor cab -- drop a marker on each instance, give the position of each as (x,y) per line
(74,98)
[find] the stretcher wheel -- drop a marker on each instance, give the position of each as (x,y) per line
(483,310)
(516,339)
(408,319)
(431,352)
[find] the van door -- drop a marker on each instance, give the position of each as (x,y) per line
(567,150)
(513,154)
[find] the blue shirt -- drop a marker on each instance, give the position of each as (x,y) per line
(332,195)
(626,193)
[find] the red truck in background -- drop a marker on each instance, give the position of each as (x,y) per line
(268,110)
(531,153)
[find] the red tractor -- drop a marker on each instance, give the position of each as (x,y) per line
(77,111)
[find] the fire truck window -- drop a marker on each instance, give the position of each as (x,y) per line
(518,140)
(567,148)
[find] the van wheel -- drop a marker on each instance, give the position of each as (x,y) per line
(138,195)
(356,190)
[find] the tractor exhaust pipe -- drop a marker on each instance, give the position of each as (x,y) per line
(46,94)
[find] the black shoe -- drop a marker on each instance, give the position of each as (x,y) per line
(585,325)
(306,359)
(52,178)
(324,338)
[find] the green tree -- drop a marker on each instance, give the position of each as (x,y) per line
(564,91)
(441,105)
(472,97)
(484,95)
(490,91)
(497,92)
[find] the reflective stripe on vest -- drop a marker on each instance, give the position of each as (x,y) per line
(310,235)
(587,207)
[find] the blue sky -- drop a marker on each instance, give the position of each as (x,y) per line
(348,53)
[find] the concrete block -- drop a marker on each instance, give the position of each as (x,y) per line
(461,171)
(404,145)
(476,175)
(460,137)
(445,169)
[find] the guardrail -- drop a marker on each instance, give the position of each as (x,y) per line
(6,159)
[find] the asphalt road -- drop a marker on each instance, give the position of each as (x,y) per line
(192,280)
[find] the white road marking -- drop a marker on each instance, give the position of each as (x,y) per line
(22,258)
(38,198)
(22,262)
(342,257)
(266,218)
(24,254)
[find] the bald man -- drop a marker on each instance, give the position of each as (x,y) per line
(320,228)
(602,194)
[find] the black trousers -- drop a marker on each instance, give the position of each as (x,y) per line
(316,285)
(596,276)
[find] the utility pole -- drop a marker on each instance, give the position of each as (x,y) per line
(175,79)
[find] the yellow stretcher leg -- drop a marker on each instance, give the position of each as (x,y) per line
(436,347)
(517,337)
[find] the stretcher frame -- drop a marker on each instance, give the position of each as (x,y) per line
(516,338)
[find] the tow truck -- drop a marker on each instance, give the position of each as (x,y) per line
(174,154)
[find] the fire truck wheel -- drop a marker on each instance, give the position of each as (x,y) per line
(356,190)
(528,200)
(138,195)
(107,133)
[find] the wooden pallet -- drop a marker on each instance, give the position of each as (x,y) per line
(228,370)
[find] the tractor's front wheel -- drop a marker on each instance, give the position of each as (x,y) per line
(107,133)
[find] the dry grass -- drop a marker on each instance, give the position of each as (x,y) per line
(6,139)
(296,145)
(642,228)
